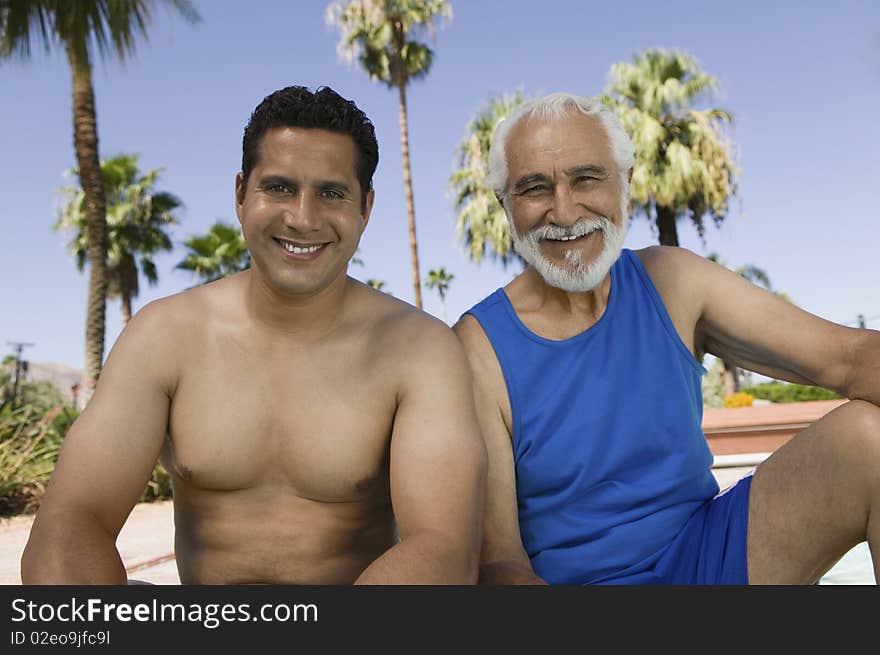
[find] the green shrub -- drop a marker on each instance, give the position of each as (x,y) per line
(30,440)
(159,485)
(42,395)
(784,392)
(29,443)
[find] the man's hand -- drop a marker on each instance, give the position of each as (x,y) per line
(511,572)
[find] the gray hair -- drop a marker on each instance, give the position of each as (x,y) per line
(555,107)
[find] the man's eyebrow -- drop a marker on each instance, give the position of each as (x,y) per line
(273,178)
(531,178)
(334,185)
(587,169)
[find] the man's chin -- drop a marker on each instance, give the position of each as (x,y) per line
(573,285)
(573,281)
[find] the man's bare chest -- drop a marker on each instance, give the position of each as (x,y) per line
(316,422)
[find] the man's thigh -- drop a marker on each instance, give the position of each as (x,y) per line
(811,499)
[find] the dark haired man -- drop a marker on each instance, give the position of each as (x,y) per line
(317,431)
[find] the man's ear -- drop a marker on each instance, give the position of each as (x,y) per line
(368,208)
(239,194)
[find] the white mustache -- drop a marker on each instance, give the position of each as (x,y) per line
(579,229)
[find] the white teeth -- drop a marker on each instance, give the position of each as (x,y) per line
(572,237)
(297,250)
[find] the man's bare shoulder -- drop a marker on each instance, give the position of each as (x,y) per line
(659,258)
(185,310)
(673,269)
(401,330)
(472,337)
(163,331)
(480,353)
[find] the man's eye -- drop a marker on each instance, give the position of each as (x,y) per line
(331,194)
(583,179)
(277,188)
(536,190)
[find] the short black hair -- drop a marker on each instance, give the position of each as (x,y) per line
(297,106)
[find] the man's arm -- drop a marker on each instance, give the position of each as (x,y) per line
(761,332)
(438,466)
(105,461)
(503,560)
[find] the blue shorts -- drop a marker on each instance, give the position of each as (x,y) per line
(710,549)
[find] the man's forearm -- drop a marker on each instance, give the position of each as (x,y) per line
(65,551)
(423,559)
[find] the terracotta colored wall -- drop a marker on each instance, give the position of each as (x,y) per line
(760,429)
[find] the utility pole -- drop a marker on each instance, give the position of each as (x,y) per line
(20,366)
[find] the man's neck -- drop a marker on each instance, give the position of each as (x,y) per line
(553,312)
(313,314)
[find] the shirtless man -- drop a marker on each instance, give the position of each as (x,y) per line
(317,431)
(587,377)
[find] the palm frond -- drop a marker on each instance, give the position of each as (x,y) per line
(685,161)
(137,220)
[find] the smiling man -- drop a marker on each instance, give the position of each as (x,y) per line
(317,431)
(587,376)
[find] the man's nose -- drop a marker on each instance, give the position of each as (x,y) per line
(564,208)
(301,214)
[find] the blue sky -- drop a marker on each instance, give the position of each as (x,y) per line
(801,78)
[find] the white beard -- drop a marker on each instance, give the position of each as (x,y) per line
(576,276)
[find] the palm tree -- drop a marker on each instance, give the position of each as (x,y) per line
(440,279)
(79,27)
(378,285)
(481,220)
(382,35)
(730,377)
(684,161)
(357,260)
(217,254)
(137,219)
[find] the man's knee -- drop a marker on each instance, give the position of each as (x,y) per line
(860,430)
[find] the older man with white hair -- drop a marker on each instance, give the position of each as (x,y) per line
(587,370)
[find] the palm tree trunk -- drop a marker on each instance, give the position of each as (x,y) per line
(126,307)
(443,306)
(407,187)
(729,378)
(666,226)
(85,143)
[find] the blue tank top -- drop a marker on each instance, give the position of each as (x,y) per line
(609,454)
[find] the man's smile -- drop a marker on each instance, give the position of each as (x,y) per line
(572,239)
(299,249)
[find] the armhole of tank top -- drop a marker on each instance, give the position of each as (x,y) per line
(508,383)
(660,308)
